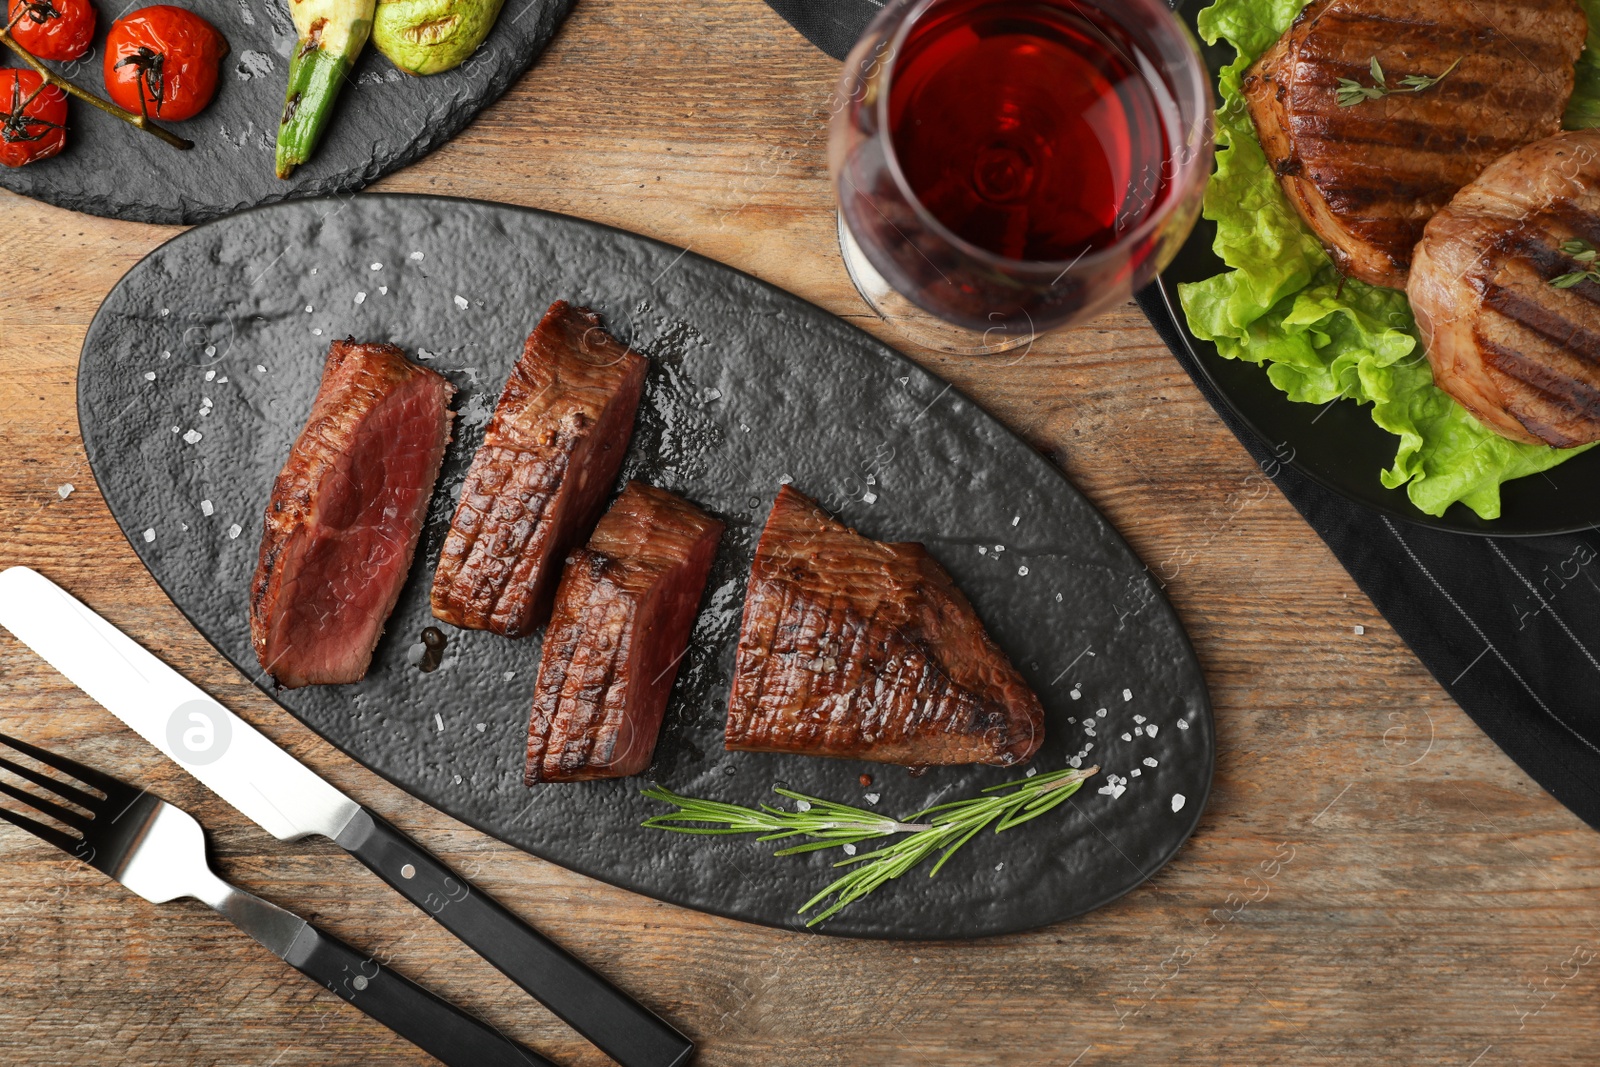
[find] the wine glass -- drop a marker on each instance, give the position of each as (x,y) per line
(1011,166)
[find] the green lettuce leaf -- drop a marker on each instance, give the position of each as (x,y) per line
(1321,337)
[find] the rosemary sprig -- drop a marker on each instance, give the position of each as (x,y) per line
(942,828)
(1351,92)
(1580,251)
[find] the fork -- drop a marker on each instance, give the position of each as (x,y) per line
(159,851)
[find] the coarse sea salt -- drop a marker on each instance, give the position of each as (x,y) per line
(1127,694)
(849,850)
(1149,761)
(383,290)
(1127,737)
(207,509)
(1100,713)
(1360,630)
(361,298)
(1138,718)
(149,535)
(1015,519)
(461,302)
(1178,800)
(802,805)
(872,798)
(1150,729)
(377,266)
(65,490)
(1023,571)
(234,531)
(416,255)
(149,375)
(1076,694)
(192,437)
(1183,724)
(309,309)
(869,498)
(1031,772)
(509,675)
(438,720)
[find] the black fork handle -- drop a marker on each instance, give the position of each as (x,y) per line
(620,1026)
(436,1026)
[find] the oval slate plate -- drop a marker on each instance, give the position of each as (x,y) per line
(1339,445)
(385,120)
(749,385)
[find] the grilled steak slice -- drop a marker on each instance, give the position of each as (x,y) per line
(622,619)
(535,488)
(1367,177)
(1521,354)
(345,514)
(854,648)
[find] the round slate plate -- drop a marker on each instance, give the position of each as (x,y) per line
(385,120)
(1339,445)
(199,370)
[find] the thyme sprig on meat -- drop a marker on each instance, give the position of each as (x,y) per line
(1580,251)
(941,829)
(1351,92)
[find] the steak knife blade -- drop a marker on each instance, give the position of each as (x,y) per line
(289,800)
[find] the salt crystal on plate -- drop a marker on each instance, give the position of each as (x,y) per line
(309,309)
(999,548)
(206,508)
(482,726)
(1127,737)
(1182,725)
(64,490)
(193,437)
(1000,866)
(1015,519)
(438,720)
(260,369)
(802,805)
(1058,598)
(1149,761)
(210,374)
(785,479)
(872,798)
(509,675)
(458,779)
(416,255)
(222,381)
(361,298)
(1360,630)
(1178,801)
(1023,571)
(149,535)
(1076,695)
(377,266)
(383,290)
(1127,694)
(1100,712)
(1075,761)
(461,302)
(849,850)
(983,550)
(175,429)
(163,312)
(1150,729)
(1135,772)
(1138,718)
(869,498)
(1138,731)
(149,375)
(234,531)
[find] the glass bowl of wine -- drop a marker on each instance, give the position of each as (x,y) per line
(1007,167)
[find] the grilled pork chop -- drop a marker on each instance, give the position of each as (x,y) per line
(538,483)
(1367,177)
(345,514)
(1521,354)
(854,648)
(621,623)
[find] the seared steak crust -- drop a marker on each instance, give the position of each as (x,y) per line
(854,648)
(1518,352)
(1367,177)
(622,618)
(345,514)
(536,486)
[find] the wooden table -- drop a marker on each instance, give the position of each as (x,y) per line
(1373,881)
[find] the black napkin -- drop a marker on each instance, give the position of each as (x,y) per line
(1510,628)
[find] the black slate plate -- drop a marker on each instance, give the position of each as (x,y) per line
(1339,445)
(385,120)
(749,385)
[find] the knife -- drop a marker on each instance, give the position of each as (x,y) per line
(288,800)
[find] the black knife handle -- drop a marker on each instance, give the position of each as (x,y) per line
(620,1026)
(436,1026)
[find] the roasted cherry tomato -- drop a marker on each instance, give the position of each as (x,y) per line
(53,29)
(162,61)
(33,118)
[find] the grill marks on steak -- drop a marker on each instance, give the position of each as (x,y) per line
(854,648)
(548,459)
(345,514)
(1520,354)
(621,623)
(1367,178)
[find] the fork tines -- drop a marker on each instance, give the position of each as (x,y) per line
(72,794)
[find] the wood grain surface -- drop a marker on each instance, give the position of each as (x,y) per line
(1373,882)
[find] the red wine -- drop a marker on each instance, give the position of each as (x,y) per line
(1028,128)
